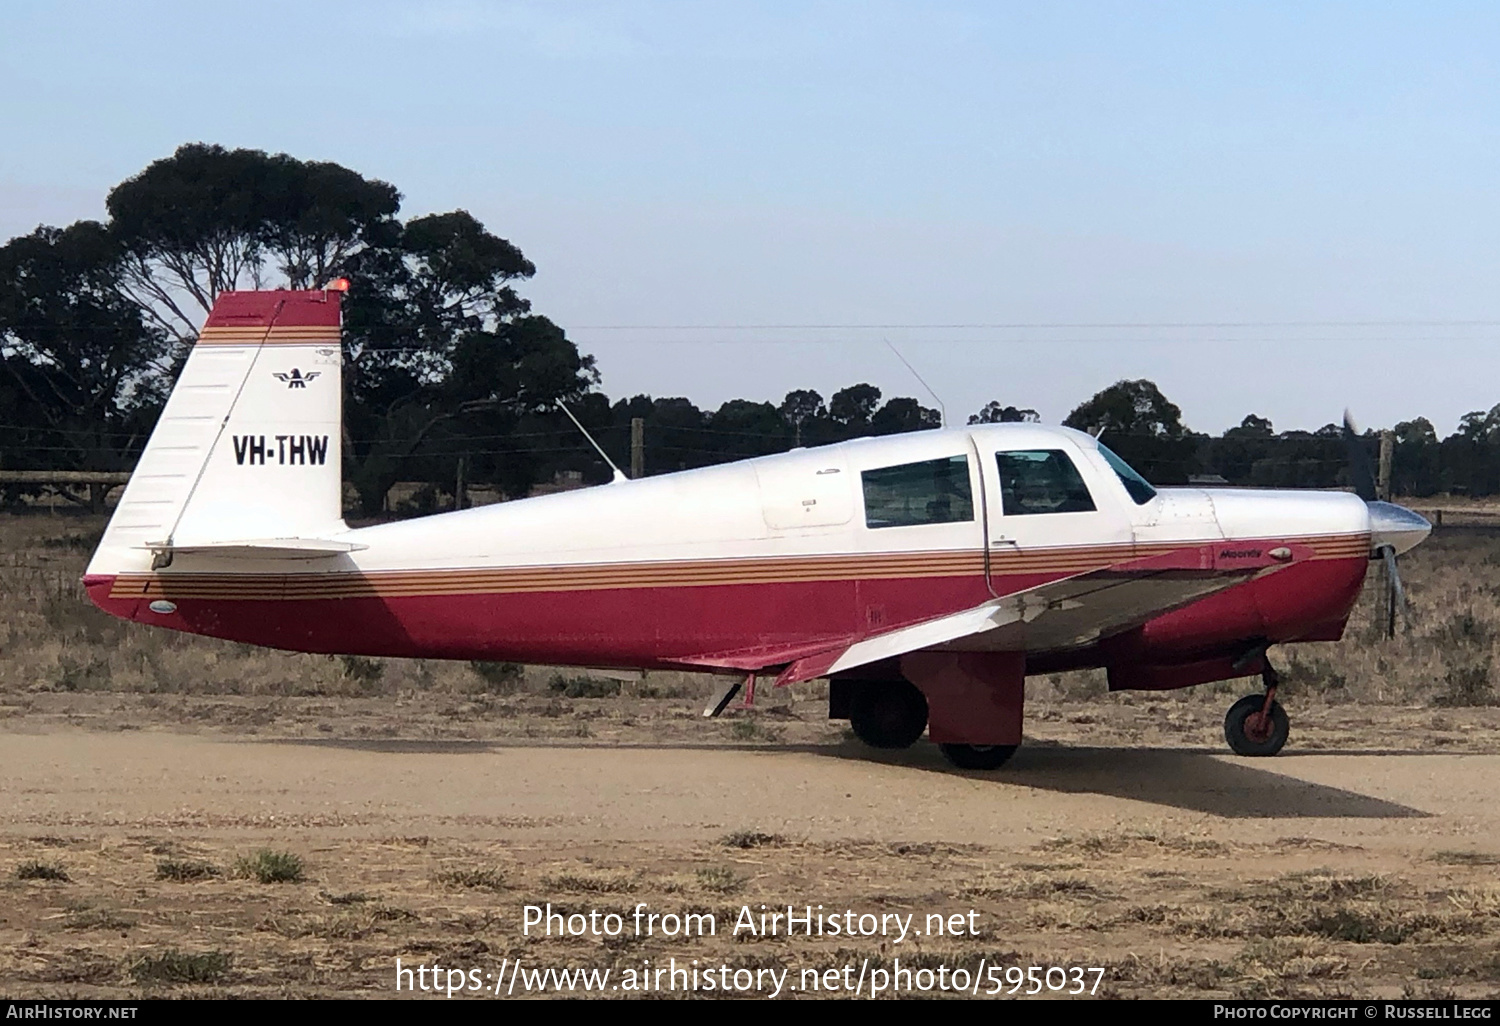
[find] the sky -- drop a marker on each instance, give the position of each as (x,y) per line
(1285,209)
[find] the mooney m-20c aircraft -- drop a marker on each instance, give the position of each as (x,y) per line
(925,574)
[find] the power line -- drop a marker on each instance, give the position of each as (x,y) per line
(1048,325)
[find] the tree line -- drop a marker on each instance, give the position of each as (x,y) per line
(448,370)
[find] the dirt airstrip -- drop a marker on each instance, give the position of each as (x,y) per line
(1135,845)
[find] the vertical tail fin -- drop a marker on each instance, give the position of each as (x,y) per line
(249,444)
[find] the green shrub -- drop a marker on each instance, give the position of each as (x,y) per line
(498,678)
(1467,684)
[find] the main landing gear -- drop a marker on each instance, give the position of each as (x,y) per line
(1257,724)
(893,714)
(888,713)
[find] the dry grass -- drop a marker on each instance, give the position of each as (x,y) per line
(181,967)
(33,869)
(269,867)
(752,839)
(1250,920)
(488,879)
(185,870)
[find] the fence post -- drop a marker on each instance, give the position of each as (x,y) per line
(637,448)
(1383,493)
(1387,451)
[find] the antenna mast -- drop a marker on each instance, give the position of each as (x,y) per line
(942,409)
(602,454)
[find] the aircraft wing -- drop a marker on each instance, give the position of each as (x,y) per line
(1068,613)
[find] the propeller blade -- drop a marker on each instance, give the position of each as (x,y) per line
(1359,461)
(1398,593)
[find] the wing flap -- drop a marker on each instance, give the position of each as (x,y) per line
(979,619)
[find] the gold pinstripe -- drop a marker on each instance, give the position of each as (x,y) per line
(301,334)
(687,574)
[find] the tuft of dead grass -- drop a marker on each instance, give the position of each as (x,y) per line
(1466,858)
(1119,842)
(186,870)
(590,883)
(269,866)
(486,879)
(173,966)
(719,879)
(751,839)
(36,870)
(98,919)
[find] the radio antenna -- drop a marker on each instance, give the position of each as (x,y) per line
(602,454)
(942,409)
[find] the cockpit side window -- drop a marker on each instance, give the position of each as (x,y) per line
(1139,488)
(930,492)
(1041,481)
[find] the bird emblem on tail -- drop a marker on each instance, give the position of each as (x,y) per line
(296,379)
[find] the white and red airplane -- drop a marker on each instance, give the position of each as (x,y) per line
(925,574)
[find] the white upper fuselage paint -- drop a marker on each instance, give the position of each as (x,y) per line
(804,502)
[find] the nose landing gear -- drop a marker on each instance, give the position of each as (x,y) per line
(1257,724)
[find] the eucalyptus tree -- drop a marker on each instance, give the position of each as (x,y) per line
(208,219)
(84,373)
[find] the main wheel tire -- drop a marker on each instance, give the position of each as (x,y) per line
(1242,734)
(978,757)
(888,714)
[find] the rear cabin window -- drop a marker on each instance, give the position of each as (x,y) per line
(1041,481)
(930,492)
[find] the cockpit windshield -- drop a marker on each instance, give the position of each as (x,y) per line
(1139,488)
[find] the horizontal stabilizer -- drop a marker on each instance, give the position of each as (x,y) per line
(265,548)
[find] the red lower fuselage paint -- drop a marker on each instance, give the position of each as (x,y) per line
(662,625)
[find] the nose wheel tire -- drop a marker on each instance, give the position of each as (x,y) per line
(888,714)
(1251,731)
(978,757)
